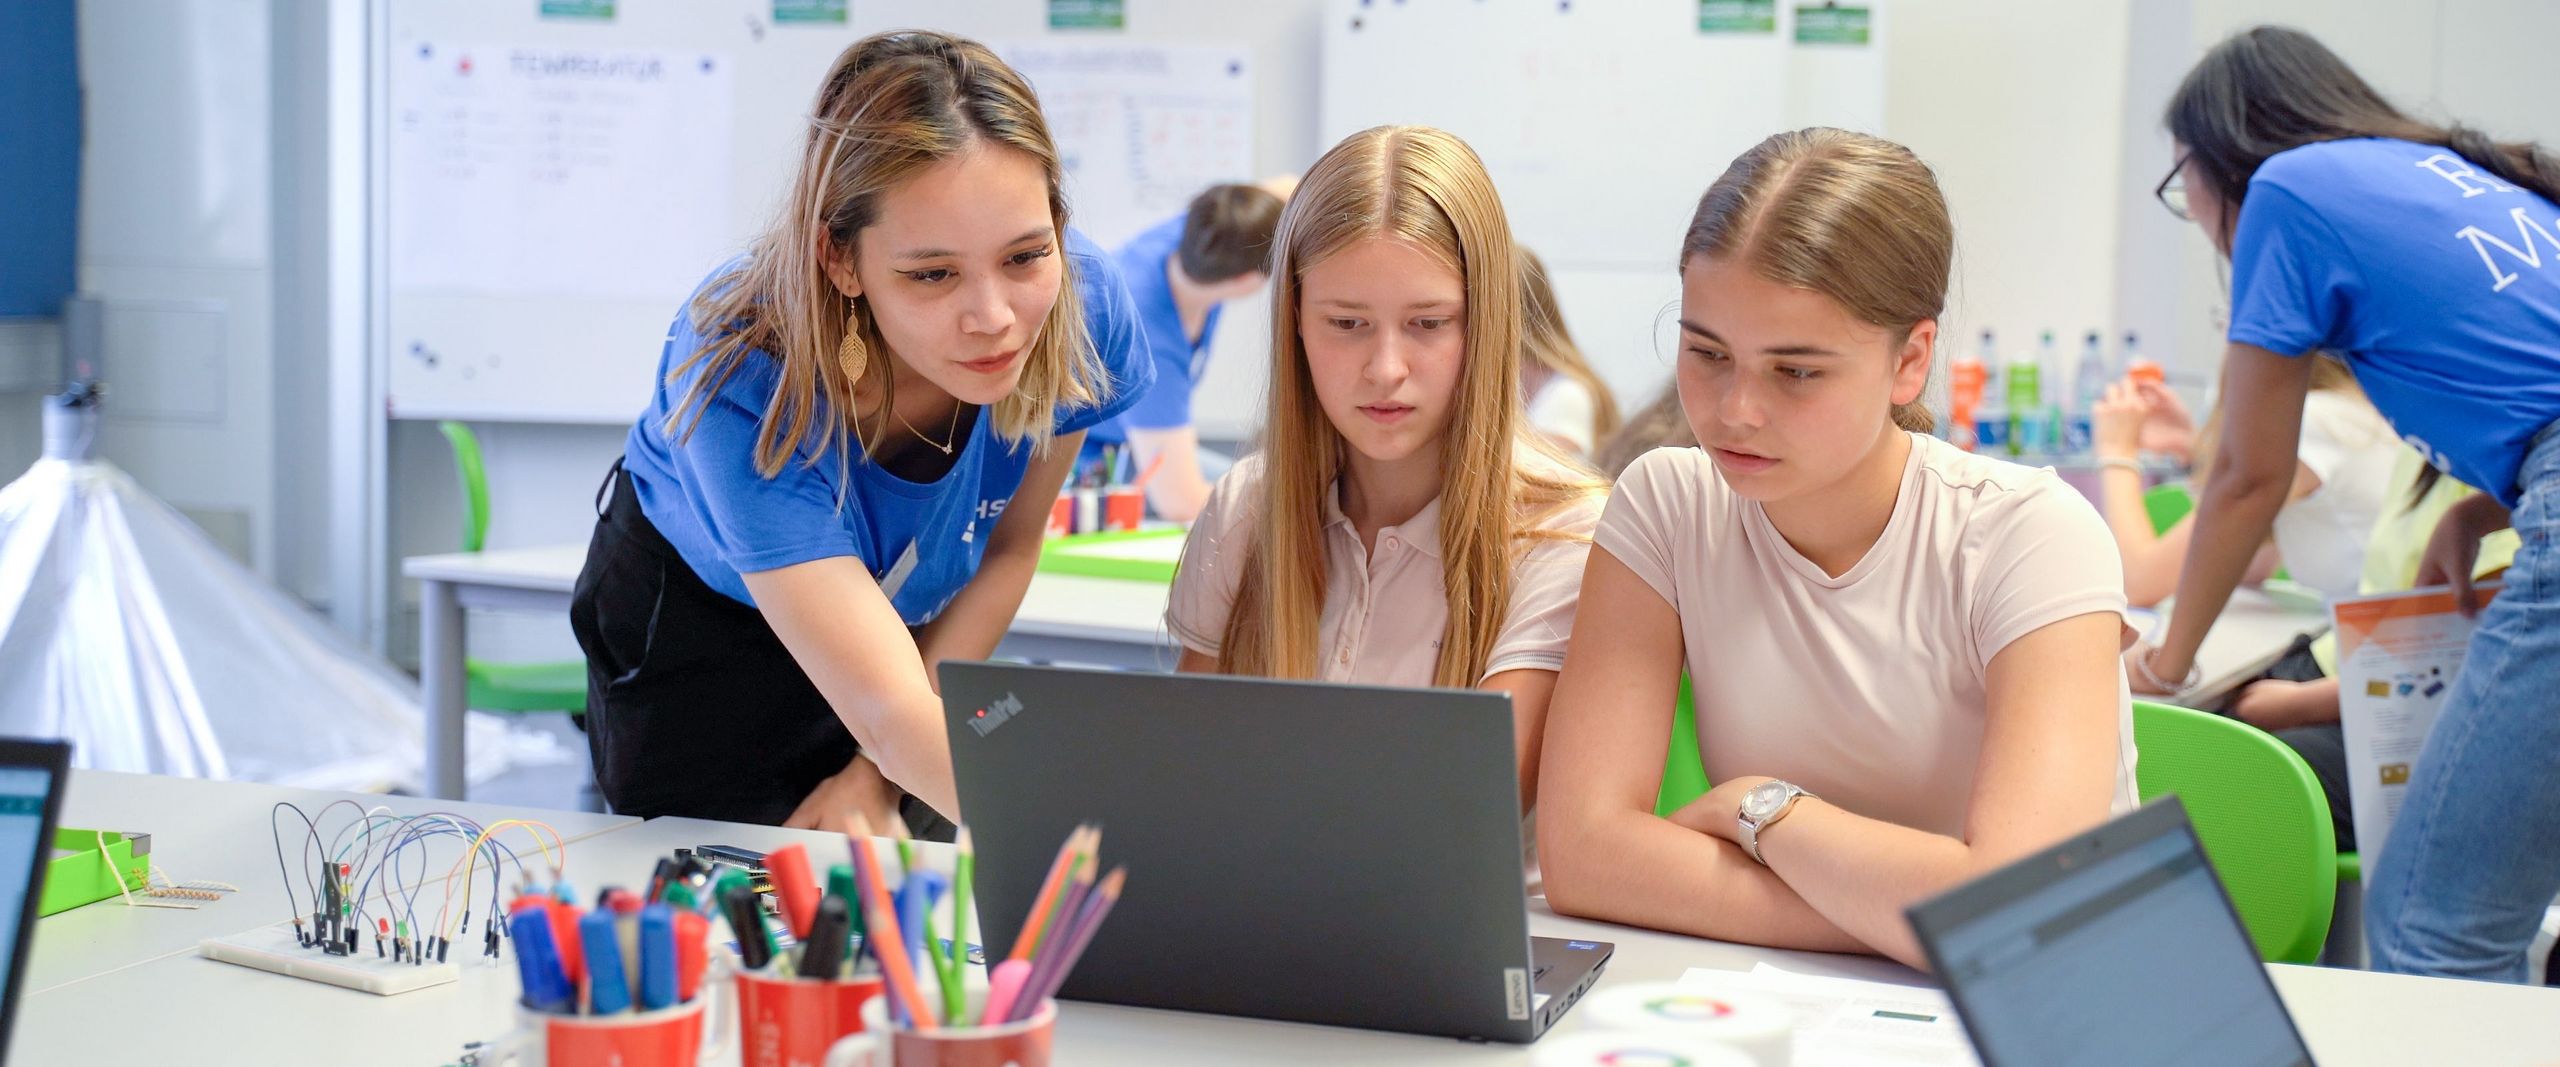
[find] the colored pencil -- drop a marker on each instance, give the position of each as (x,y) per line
(1096,909)
(963,901)
(886,945)
(1029,936)
(1061,928)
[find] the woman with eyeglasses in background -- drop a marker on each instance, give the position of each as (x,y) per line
(2428,258)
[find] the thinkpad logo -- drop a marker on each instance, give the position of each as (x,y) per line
(986,719)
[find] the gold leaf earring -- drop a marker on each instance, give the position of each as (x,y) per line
(851,353)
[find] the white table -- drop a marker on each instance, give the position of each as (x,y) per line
(184,1009)
(2253,631)
(217,831)
(1063,619)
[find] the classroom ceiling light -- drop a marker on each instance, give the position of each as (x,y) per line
(128,632)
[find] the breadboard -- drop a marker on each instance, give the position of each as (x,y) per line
(273,948)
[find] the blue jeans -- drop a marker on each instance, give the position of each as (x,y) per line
(2475,856)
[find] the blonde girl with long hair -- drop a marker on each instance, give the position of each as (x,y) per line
(844,474)
(1399,526)
(1567,400)
(1903,654)
(2341,487)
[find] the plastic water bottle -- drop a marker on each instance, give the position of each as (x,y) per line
(2032,426)
(1991,416)
(2088,384)
(1964,398)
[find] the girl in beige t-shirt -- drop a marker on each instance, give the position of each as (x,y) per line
(1398,527)
(1903,655)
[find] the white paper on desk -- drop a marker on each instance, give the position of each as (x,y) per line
(1843,1022)
(2398,654)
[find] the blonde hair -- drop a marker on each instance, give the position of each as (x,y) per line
(1856,218)
(1427,188)
(1545,343)
(893,105)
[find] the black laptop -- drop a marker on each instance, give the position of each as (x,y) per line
(32,776)
(1330,854)
(2118,946)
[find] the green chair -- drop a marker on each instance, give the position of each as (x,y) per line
(560,686)
(1684,774)
(2262,818)
(2166,503)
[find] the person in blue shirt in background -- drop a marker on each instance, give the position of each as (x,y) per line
(1178,272)
(847,468)
(2428,258)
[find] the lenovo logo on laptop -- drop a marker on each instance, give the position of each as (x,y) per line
(986,719)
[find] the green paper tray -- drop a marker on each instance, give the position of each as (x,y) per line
(1093,556)
(77,876)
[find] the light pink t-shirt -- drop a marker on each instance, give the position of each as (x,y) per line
(1867,688)
(1384,610)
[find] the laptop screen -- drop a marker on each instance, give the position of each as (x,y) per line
(2133,957)
(22,803)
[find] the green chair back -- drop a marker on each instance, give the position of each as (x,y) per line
(2166,503)
(1684,773)
(2261,815)
(475,483)
(500,686)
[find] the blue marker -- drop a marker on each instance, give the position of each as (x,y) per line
(608,991)
(657,957)
(546,983)
(915,902)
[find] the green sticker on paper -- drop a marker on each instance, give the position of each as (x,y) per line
(592,10)
(1829,24)
(1088,14)
(809,11)
(1737,16)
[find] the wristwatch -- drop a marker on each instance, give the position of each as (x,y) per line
(1762,807)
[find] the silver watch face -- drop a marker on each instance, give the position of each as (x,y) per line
(1764,800)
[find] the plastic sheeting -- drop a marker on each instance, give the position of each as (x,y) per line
(128,632)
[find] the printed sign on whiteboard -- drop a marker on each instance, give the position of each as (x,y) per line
(526,170)
(1143,128)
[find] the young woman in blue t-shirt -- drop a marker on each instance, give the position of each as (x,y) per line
(2428,258)
(846,470)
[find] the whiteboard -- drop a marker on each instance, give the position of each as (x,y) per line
(555,188)
(1601,124)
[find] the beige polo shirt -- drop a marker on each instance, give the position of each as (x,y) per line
(1866,688)
(1384,610)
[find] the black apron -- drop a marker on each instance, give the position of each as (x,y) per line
(694,707)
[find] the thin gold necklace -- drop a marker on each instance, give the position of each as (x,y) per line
(950,435)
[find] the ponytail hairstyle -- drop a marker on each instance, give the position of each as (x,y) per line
(1856,218)
(2272,88)
(893,105)
(1426,188)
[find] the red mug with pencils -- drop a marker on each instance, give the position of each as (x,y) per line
(788,1021)
(1124,508)
(668,1037)
(1021,1043)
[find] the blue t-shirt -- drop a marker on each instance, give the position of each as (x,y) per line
(1178,359)
(2438,283)
(921,541)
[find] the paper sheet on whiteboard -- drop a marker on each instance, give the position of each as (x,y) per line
(1143,127)
(569,171)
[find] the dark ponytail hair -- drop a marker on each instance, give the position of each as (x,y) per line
(2272,88)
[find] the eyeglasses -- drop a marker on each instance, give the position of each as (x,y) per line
(2173,189)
